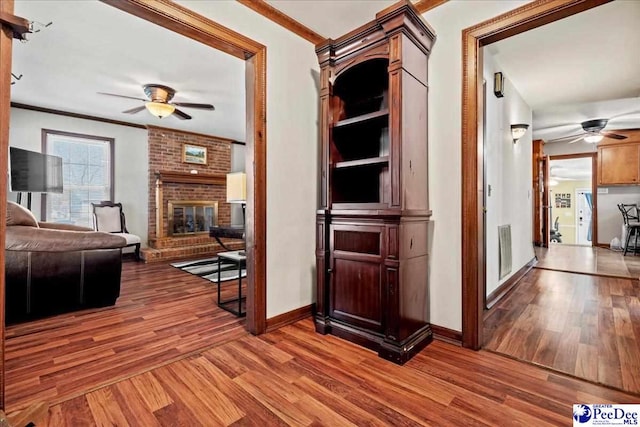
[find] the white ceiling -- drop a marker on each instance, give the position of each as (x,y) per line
(92,47)
(591,56)
(578,169)
(564,120)
(331,18)
(572,70)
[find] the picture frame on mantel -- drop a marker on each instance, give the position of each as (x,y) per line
(195,154)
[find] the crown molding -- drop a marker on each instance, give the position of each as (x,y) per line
(424,5)
(282,19)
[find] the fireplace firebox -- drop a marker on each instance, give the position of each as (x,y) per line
(189,217)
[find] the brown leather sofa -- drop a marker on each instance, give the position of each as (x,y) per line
(57,268)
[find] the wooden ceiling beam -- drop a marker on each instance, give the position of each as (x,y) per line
(273,14)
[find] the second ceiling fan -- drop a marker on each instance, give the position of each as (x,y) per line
(159,102)
(592,132)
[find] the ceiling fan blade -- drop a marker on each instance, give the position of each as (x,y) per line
(563,138)
(613,135)
(123,96)
(576,139)
(134,110)
(181,115)
(193,105)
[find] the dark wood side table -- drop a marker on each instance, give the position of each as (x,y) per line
(240,259)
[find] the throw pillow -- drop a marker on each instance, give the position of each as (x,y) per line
(18,215)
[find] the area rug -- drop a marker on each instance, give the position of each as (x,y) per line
(208,269)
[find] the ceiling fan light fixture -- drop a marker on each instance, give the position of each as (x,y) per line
(593,139)
(160,109)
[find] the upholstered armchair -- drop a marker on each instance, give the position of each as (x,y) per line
(108,217)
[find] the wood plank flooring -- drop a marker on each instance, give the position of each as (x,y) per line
(584,325)
(589,260)
(294,376)
(162,315)
(167,356)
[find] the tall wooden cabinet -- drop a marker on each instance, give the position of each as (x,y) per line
(373,221)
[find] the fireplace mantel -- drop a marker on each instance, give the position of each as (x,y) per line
(163,177)
(190,178)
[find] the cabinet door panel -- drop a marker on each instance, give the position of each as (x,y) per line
(618,164)
(356,293)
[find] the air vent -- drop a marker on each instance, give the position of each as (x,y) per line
(504,247)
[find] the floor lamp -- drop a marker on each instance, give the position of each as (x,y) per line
(237,193)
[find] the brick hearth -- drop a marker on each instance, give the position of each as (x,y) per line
(165,155)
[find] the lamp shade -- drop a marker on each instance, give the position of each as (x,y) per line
(160,109)
(237,187)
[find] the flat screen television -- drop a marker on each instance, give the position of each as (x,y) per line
(35,172)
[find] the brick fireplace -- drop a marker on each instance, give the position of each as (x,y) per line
(172,180)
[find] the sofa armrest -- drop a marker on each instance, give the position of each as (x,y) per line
(31,239)
(59,226)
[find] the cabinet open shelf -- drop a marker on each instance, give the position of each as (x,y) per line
(363,118)
(383,160)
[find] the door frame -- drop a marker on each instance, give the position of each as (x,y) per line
(186,22)
(513,22)
(577,192)
(594,189)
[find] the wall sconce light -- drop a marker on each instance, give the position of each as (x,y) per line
(518,130)
(498,85)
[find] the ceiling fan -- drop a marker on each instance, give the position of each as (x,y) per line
(592,132)
(158,102)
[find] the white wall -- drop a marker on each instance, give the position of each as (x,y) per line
(508,172)
(292,147)
(131,158)
(445,124)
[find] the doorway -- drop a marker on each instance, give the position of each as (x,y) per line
(572,208)
(570,316)
(198,28)
(514,22)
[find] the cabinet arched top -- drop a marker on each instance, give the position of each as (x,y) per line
(380,52)
(370,72)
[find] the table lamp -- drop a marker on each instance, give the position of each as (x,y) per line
(237,192)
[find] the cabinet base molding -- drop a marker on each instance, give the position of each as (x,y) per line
(396,352)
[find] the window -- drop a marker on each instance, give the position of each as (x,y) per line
(87,169)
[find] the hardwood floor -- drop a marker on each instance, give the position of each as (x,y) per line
(294,376)
(584,325)
(162,315)
(589,260)
(166,355)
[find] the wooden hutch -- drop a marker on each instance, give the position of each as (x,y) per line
(373,221)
